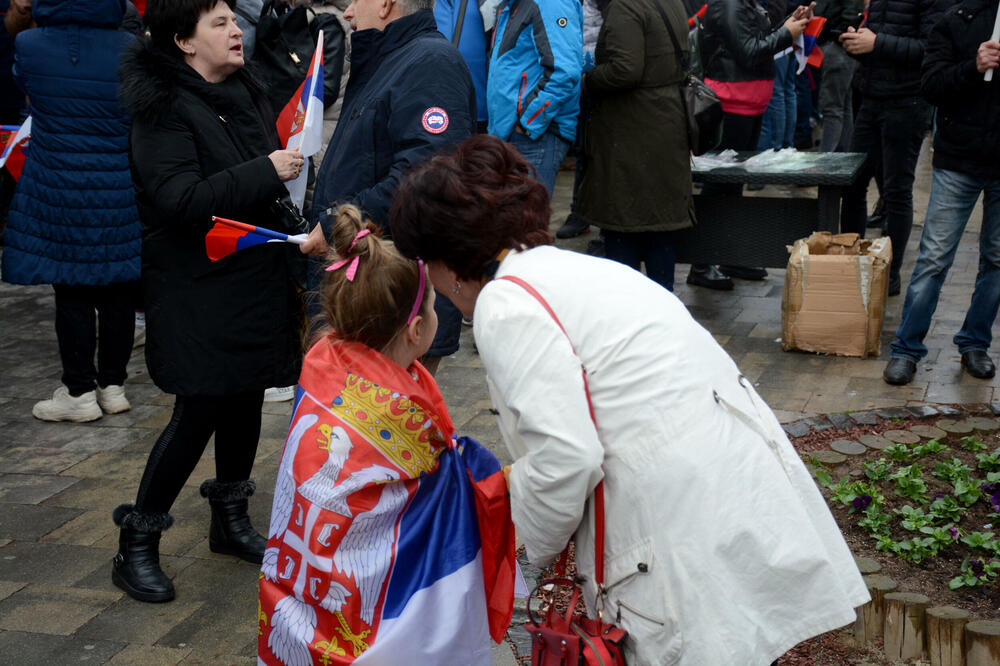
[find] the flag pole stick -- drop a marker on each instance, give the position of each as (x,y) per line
(988,76)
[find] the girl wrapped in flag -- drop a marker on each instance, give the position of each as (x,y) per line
(388,536)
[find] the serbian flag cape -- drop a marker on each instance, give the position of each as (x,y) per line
(300,123)
(228,236)
(806,51)
(390,542)
(11,139)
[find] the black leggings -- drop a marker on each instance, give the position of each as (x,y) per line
(235,420)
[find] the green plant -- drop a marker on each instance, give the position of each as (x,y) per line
(970,443)
(980,540)
(928,449)
(942,536)
(878,470)
(975,572)
(913,519)
(846,491)
(988,462)
(946,507)
(875,520)
(898,452)
(910,483)
(951,470)
(967,491)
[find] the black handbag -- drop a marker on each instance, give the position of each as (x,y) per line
(701,105)
(285,45)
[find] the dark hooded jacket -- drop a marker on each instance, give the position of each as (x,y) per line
(968,121)
(73,219)
(198,150)
(741,38)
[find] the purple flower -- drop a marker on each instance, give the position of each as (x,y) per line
(953,532)
(939,496)
(977,567)
(990,488)
(995,501)
(861,502)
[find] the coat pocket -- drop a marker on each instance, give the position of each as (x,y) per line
(638,599)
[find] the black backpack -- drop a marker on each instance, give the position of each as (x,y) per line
(286,39)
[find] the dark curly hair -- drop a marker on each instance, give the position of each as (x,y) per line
(465,207)
(168,18)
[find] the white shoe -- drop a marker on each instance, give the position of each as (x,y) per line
(64,407)
(112,399)
(279,394)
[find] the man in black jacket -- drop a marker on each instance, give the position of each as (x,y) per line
(966,145)
(893,116)
(409,95)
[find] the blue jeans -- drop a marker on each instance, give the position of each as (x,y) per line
(778,127)
(545,153)
(653,248)
(953,196)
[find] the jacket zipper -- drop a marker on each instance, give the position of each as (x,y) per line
(520,92)
(622,604)
(544,106)
(586,639)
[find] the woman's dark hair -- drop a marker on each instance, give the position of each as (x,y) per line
(373,307)
(166,18)
(465,207)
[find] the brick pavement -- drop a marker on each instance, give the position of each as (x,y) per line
(59,482)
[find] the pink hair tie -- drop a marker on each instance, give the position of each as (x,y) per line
(415,310)
(354,262)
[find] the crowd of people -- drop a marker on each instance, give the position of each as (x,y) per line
(429,205)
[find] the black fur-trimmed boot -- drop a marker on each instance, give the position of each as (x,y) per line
(136,567)
(231,532)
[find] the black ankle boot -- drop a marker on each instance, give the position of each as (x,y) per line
(231,532)
(136,567)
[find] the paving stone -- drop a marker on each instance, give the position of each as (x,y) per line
(87,529)
(206,657)
(864,418)
(8,588)
(818,423)
(901,436)
(867,566)
(948,410)
(876,442)
(131,621)
(983,423)
(841,421)
(928,431)
(39,459)
(893,413)
(60,610)
(150,655)
(41,562)
(797,428)
(995,407)
(848,447)
(923,411)
(829,457)
(32,488)
(23,648)
(955,427)
(117,464)
(30,521)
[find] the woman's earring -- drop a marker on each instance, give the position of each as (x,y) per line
(457,289)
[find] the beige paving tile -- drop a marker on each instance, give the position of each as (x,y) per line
(787,400)
(55,609)
(87,529)
(150,655)
(959,393)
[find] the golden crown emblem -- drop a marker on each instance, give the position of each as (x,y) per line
(401,429)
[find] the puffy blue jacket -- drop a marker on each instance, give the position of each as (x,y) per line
(535,68)
(73,219)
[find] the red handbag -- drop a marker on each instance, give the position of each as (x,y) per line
(574,639)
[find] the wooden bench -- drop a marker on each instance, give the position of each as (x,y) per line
(753,231)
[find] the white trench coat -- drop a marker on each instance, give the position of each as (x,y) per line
(720,550)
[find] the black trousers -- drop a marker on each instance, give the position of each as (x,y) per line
(654,248)
(90,318)
(235,421)
(890,131)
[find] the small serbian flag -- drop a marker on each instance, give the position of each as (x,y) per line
(300,124)
(228,236)
(11,138)
(698,16)
(806,51)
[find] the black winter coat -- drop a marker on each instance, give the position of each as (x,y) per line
(968,122)
(743,37)
(197,150)
(892,69)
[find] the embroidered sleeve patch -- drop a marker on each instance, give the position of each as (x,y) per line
(435,120)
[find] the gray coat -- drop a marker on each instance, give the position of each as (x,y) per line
(638,175)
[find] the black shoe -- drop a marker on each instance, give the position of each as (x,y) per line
(978,364)
(136,566)
(877,218)
(572,227)
(744,272)
(899,371)
(231,532)
(595,248)
(895,285)
(703,275)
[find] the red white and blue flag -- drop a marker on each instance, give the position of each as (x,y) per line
(390,541)
(300,123)
(228,236)
(806,50)
(12,139)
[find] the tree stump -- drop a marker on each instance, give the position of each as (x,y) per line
(904,625)
(945,635)
(871,616)
(982,643)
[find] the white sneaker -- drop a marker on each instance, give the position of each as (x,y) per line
(65,407)
(279,394)
(112,399)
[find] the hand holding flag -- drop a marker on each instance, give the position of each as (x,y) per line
(806,50)
(300,123)
(228,236)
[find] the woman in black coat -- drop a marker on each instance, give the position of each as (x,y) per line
(218,334)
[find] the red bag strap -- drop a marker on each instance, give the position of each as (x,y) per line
(599,489)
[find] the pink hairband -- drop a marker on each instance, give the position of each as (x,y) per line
(415,310)
(354,261)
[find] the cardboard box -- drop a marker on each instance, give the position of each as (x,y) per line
(835,292)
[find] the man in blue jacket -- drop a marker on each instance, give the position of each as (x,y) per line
(533,90)
(408,96)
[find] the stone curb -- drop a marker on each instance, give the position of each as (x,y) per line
(842,420)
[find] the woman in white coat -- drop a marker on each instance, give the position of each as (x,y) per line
(719,548)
